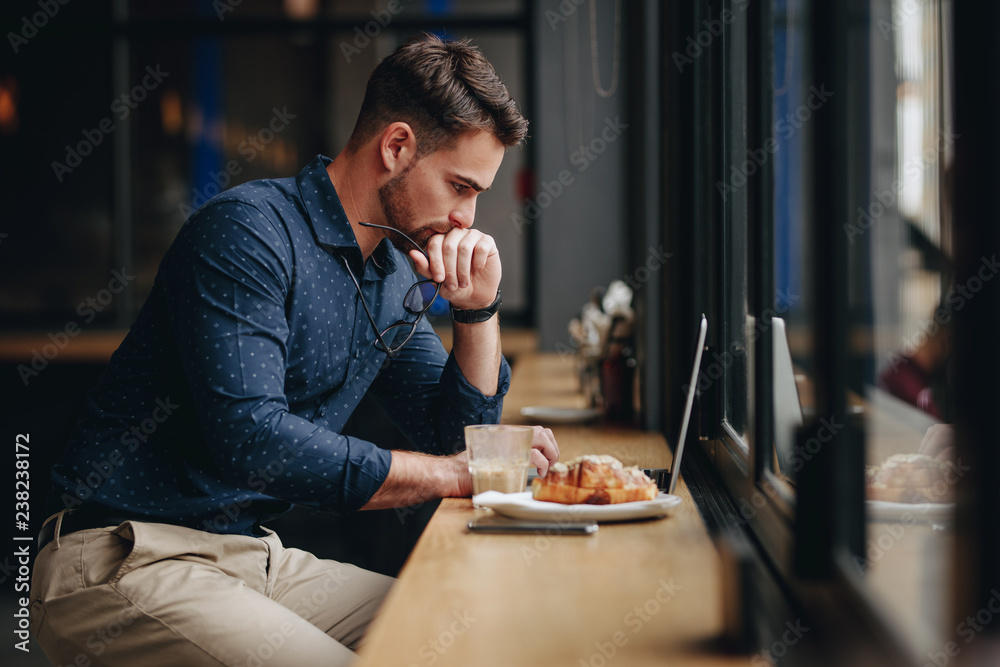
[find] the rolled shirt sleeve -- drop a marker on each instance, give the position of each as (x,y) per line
(428,398)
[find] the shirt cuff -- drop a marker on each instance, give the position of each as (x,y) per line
(468,400)
(365,469)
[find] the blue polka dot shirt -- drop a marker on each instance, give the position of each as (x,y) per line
(226,400)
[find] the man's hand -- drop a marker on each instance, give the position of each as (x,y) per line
(939,442)
(544,450)
(463,480)
(415,478)
(467,264)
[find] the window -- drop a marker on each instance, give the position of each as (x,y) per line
(902,241)
(814,166)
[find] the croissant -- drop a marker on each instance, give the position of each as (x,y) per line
(911,478)
(593,480)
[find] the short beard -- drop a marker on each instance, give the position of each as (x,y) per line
(398,212)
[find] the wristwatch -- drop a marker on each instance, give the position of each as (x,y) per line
(473,316)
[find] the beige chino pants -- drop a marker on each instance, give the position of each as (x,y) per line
(154,594)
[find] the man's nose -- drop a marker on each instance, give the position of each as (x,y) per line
(463,216)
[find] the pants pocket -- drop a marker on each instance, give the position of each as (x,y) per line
(105,555)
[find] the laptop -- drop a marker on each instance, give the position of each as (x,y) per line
(659,475)
(787,408)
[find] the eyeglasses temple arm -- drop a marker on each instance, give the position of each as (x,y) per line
(364,303)
(393,229)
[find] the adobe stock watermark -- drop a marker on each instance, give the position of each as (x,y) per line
(581,158)
(257,481)
(544,538)
(431,651)
(87,310)
(565,9)
(696,45)
(22,617)
(902,11)
(892,533)
(363,35)
(403,513)
(98,642)
(885,200)
(319,598)
(252,146)
(7,568)
(719,363)
(271,642)
(30,25)
(956,300)
(121,107)
(785,127)
(656,258)
(634,621)
(131,439)
(801,454)
(779,648)
(223,7)
(967,629)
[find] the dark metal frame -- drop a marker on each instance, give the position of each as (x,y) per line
(977,356)
(801,547)
(645,196)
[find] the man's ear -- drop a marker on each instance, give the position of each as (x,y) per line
(398,147)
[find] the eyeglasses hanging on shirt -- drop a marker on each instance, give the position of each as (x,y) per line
(418,300)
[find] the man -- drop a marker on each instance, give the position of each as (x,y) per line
(278,307)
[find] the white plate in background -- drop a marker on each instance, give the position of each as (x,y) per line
(883,510)
(550,415)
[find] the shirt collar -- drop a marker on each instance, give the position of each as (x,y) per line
(329,222)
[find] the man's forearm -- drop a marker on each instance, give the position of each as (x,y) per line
(416,478)
(477,351)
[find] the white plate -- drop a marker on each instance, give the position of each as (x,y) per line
(523,506)
(547,415)
(882,510)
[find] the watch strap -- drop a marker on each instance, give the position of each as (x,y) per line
(476,315)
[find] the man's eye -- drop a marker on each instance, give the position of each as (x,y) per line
(460,187)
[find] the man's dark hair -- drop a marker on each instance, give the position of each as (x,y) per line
(442,89)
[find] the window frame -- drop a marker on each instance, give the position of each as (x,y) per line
(804,543)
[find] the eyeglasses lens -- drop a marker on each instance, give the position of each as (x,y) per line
(420,297)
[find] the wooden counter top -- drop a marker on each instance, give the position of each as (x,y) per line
(84,347)
(97,345)
(642,593)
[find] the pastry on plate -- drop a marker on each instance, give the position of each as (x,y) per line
(911,478)
(593,480)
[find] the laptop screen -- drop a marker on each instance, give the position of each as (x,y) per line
(675,467)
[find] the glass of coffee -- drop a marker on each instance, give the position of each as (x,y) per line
(499,457)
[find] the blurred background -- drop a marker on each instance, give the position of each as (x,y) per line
(126,116)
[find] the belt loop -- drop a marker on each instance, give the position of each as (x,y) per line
(271,564)
(59,521)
